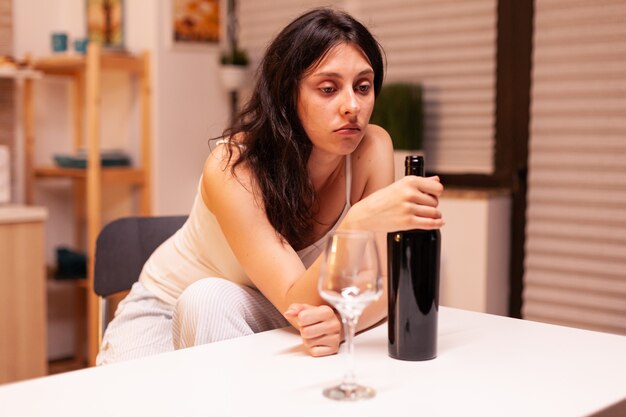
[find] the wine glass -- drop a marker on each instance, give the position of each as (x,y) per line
(350,280)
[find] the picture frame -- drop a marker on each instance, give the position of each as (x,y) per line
(105,22)
(194,23)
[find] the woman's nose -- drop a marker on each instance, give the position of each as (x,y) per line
(350,104)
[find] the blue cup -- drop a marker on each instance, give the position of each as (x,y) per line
(80,45)
(59,42)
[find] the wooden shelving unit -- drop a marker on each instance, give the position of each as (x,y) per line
(85,74)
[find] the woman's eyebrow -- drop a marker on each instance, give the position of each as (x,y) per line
(331,74)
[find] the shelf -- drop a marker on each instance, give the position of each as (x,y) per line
(122,175)
(15,73)
(85,76)
(16,213)
(70,64)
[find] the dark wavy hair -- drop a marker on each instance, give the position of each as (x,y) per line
(276,146)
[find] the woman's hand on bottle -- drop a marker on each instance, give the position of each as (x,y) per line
(409,203)
(320,328)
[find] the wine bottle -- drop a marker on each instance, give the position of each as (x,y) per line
(413,286)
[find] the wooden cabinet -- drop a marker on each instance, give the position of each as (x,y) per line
(22,293)
(85,75)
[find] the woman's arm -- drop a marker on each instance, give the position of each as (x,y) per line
(382,206)
(275,267)
(372,170)
(270,263)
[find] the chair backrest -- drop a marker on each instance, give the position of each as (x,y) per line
(124,245)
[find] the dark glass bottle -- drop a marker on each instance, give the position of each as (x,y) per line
(413,286)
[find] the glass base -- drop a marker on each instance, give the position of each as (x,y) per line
(344,392)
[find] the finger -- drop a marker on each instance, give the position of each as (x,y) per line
(315,315)
(321,329)
(421,191)
(416,199)
(425,223)
(319,351)
(331,341)
(426,199)
(425,211)
(433,187)
(425,185)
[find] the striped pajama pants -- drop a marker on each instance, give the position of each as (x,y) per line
(209,310)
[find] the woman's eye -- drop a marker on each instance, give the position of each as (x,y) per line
(363,88)
(327,90)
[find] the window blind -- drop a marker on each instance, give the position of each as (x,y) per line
(576,219)
(260,21)
(447,45)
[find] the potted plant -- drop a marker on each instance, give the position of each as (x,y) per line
(398,109)
(234,61)
(234,68)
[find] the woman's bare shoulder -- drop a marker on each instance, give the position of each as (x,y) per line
(376,145)
(377,132)
(372,162)
(225,152)
(218,176)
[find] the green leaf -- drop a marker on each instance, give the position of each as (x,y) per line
(399,111)
(236,57)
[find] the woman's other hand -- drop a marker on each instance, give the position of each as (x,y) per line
(409,203)
(319,326)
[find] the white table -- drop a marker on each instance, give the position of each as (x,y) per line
(487,366)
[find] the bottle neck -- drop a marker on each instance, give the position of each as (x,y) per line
(414,170)
(414,165)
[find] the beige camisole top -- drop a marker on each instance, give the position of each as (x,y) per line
(199,250)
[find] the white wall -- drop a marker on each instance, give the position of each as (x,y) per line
(475,251)
(189,105)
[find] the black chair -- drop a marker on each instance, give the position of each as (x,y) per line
(122,247)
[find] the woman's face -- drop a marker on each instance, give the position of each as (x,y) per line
(336,99)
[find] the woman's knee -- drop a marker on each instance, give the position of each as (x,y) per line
(208,295)
(207,311)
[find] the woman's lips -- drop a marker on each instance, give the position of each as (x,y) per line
(348,129)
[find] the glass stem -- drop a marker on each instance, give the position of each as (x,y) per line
(349,329)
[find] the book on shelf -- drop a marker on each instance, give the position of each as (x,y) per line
(108,158)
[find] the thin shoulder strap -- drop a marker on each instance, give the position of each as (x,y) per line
(348,178)
(224,141)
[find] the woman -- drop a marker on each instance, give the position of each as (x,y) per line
(299,162)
